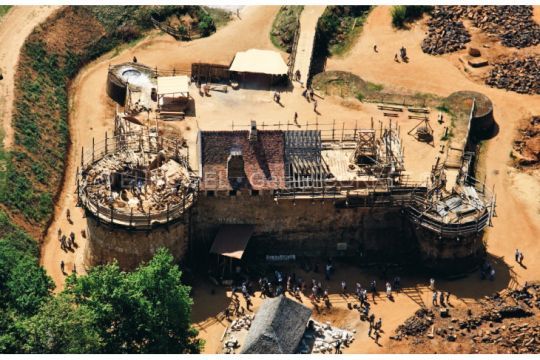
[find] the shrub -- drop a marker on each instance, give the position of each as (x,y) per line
(403,14)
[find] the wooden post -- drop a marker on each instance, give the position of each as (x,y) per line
(82,157)
(149,217)
(131,218)
(93,148)
(168,212)
(106,145)
(112,213)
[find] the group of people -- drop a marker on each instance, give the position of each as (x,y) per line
(443,298)
(487,271)
(402,54)
(67,243)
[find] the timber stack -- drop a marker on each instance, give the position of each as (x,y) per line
(513,25)
(521,75)
(446,32)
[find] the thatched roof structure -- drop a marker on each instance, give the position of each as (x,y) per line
(278,327)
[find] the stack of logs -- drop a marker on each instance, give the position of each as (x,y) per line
(508,319)
(517,74)
(415,325)
(513,25)
(526,149)
(446,31)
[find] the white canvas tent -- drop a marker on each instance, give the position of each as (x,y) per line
(173,85)
(259,62)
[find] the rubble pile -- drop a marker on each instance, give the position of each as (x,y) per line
(507,320)
(517,74)
(242,323)
(446,32)
(415,325)
(324,338)
(513,25)
(526,149)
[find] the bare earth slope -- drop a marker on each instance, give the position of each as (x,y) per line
(14,28)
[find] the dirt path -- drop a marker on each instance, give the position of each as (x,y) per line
(304,51)
(91,111)
(436,74)
(15,26)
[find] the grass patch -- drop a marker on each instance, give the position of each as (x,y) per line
(339,27)
(221,17)
(285,26)
(4,9)
(403,15)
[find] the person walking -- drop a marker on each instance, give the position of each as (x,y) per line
(378,324)
(388,290)
(315,105)
(74,269)
(441,298)
(377,337)
(343,287)
(375,48)
(68,216)
(370,329)
(434,300)
(135,59)
(447,298)
(338,347)
(62,266)
(296,118)
(517,255)
(521,258)
(432,284)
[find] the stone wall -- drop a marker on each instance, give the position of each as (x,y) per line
(450,255)
(305,226)
(130,248)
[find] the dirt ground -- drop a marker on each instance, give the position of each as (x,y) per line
(91,115)
(14,28)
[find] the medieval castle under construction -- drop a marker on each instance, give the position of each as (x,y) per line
(279,194)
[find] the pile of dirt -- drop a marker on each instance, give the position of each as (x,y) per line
(508,321)
(285,26)
(526,149)
(446,31)
(519,74)
(513,25)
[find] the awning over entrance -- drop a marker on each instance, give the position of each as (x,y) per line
(231,240)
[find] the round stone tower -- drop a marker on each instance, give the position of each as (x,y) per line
(137,191)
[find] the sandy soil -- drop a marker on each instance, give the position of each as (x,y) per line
(15,26)
(91,115)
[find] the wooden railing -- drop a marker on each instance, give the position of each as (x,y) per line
(139,142)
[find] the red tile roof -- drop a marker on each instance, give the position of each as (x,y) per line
(264,159)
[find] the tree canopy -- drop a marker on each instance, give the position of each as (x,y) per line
(106,311)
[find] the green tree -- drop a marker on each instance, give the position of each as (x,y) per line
(61,327)
(28,286)
(146,311)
